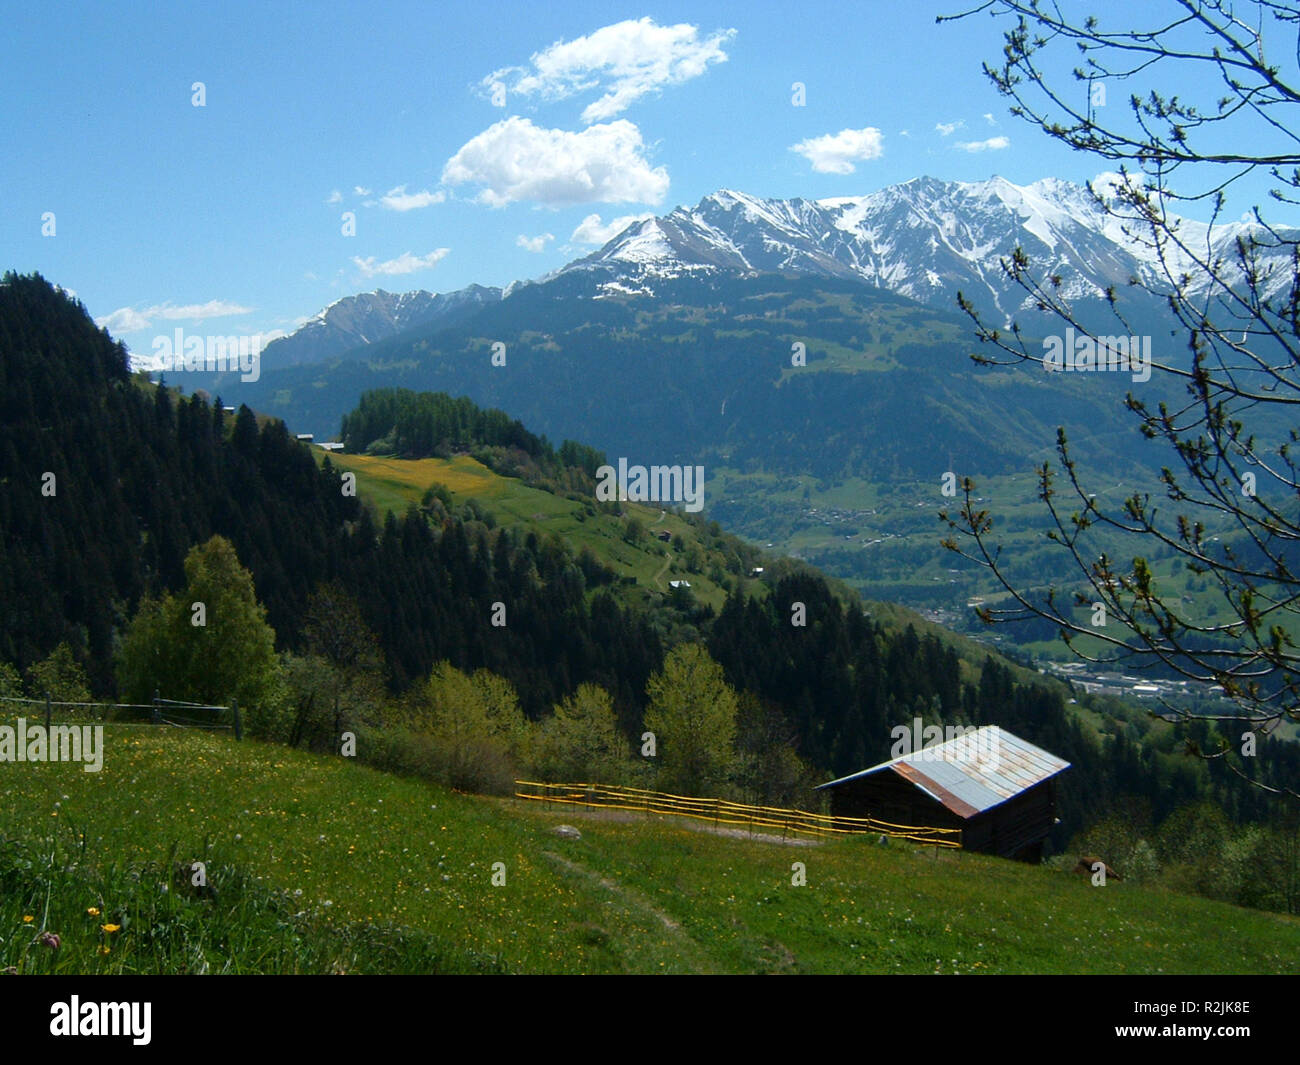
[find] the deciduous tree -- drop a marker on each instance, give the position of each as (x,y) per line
(1213,105)
(692,712)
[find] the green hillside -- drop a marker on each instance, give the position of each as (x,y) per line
(318,864)
(836,459)
(394,484)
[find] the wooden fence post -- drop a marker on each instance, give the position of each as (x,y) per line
(157,714)
(239,725)
(47,714)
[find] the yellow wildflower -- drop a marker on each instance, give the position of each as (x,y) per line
(111,927)
(93,911)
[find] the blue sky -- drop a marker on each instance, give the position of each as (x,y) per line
(229,216)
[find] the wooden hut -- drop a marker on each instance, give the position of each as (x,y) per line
(996,788)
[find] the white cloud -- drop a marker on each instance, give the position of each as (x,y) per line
(627,60)
(399,199)
(130,320)
(835,153)
(406,263)
(993,144)
(947,129)
(592,231)
(211,309)
(124,320)
(334,197)
(274,334)
(360,191)
(988,117)
(1110,183)
(536,245)
(515,160)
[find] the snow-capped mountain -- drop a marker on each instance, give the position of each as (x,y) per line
(925,239)
(372,316)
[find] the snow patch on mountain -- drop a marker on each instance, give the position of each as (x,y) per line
(925,239)
(368,317)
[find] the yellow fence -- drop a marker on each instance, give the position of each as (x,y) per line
(723,812)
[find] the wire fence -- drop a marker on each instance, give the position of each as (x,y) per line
(176,713)
(725,812)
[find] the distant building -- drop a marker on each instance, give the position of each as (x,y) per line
(330,445)
(306,438)
(664,535)
(757,571)
(996,788)
(679,584)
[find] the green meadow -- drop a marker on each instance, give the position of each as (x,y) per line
(316,864)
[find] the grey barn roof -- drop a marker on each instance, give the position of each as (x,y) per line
(973,772)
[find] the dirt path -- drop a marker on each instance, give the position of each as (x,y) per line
(730,831)
(668,561)
(627,894)
(640,910)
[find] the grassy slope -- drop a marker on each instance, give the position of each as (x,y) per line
(634,896)
(394,484)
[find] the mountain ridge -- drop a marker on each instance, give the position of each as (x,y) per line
(926,239)
(368,317)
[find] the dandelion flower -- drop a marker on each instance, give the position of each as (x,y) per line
(110,928)
(93,911)
(28,918)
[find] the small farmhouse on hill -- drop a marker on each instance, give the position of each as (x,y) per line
(996,788)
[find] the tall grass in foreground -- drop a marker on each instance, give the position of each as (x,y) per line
(60,913)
